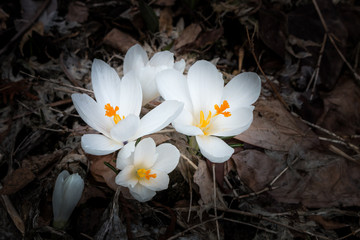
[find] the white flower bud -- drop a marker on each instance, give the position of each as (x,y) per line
(67,193)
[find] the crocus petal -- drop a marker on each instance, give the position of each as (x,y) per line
(205,86)
(92,113)
(73,188)
(127,177)
(97,144)
(130,95)
(58,193)
(125,129)
(160,182)
(145,153)
(124,157)
(238,122)
(172,85)
(214,149)
(180,65)
(164,58)
(105,82)
(146,76)
(158,118)
(184,124)
(141,193)
(135,58)
(168,158)
(243,90)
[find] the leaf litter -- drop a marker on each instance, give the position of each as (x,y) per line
(294,174)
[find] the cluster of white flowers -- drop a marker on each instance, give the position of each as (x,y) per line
(197,104)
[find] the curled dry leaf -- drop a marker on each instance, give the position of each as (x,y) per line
(100,171)
(119,40)
(188,36)
(274,128)
(77,12)
(17,180)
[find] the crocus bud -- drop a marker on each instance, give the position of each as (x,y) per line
(67,193)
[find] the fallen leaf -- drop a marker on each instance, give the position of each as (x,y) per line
(100,171)
(188,36)
(119,40)
(77,12)
(274,128)
(209,37)
(17,180)
(166,21)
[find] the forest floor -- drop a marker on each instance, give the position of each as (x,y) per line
(295,173)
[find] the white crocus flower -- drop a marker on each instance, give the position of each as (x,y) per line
(67,193)
(146,169)
(210,109)
(137,61)
(115,113)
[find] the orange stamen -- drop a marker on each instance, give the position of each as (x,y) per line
(220,110)
(145,173)
(111,112)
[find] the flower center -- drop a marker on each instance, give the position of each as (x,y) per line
(204,124)
(111,112)
(142,172)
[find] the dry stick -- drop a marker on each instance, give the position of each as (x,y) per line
(252,49)
(349,145)
(26,26)
(270,184)
(191,196)
(341,153)
(59,83)
(215,205)
(315,74)
(189,161)
(271,221)
(251,225)
(357,77)
(192,227)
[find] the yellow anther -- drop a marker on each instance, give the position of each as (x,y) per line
(111,112)
(145,173)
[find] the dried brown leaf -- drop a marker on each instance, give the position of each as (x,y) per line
(119,40)
(77,12)
(100,171)
(17,180)
(188,36)
(166,21)
(274,128)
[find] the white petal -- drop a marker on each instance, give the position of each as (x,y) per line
(97,144)
(57,198)
(184,124)
(130,95)
(239,121)
(172,85)
(105,82)
(158,118)
(125,156)
(92,113)
(167,159)
(145,154)
(127,177)
(214,149)
(160,182)
(146,77)
(135,58)
(164,58)
(243,90)
(180,65)
(205,86)
(125,129)
(141,193)
(73,188)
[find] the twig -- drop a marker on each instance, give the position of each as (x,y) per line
(315,74)
(66,71)
(251,225)
(26,26)
(192,227)
(357,77)
(189,161)
(59,83)
(215,205)
(252,49)
(341,153)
